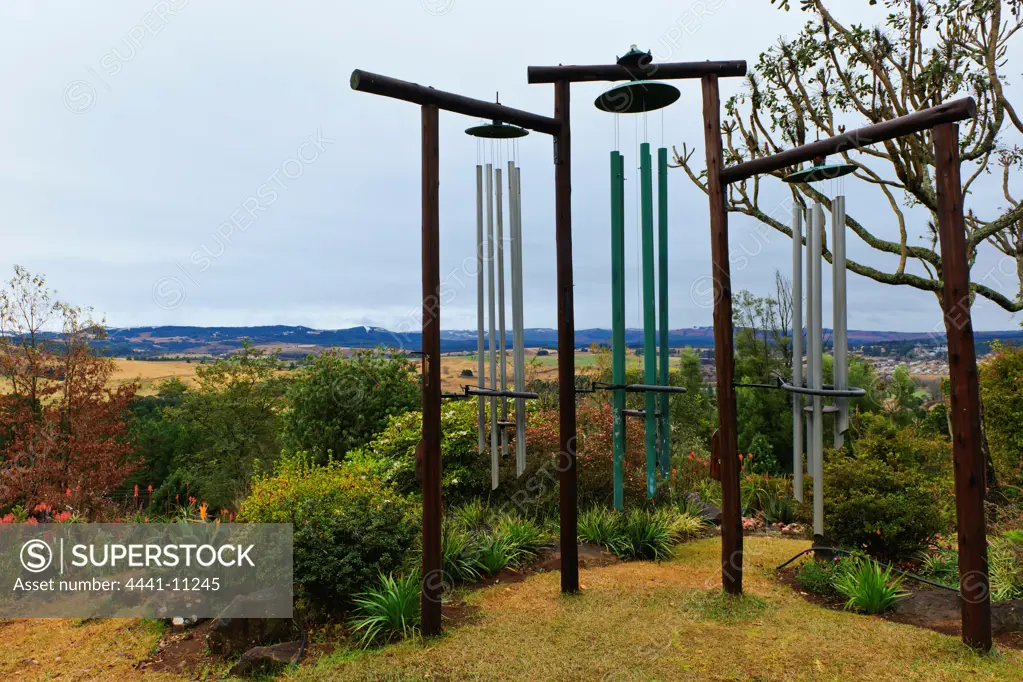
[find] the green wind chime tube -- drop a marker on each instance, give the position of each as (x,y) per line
(618,321)
(649,316)
(662,274)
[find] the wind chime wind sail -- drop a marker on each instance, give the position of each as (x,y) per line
(490,298)
(639,97)
(814,384)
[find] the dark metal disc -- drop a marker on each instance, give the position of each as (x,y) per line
(636,97)
(634,58)
(497,131)
(818,173)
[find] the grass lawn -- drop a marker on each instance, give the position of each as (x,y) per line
(644,621)
(635,621)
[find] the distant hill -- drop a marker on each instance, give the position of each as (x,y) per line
(147,342)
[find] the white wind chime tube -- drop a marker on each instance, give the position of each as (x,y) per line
(840,334)
(502,363)
(816,349)
(518,330)
(494,454)
(481,417)
(797,351)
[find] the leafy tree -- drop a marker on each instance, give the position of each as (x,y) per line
(231,424)
(833,73)
(763,353)
(339,402)
(63,430)
(159,439)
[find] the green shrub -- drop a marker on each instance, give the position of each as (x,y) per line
(685,526)
(817,576)
(349,525)
(1002,393)
(780,509)
(1005,567)
(460,556)
(871,506)
(602,526)
(1005,564)
(388,611)
(868,588)
(474,516)
(496,554)
(941,563)
(524,537)
(392,454)
(339,403)
(902,447)
(646,535)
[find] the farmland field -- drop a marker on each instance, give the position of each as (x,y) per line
(151,373)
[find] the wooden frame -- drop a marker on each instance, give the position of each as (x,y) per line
(965,412)
(432,101)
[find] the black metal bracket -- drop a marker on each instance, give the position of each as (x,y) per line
(827,390)
(638,388)
(476,391)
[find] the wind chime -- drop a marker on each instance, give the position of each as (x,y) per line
(813,385)
(490,252)
(640,96)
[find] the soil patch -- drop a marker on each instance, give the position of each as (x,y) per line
(590,556)
(927,608)
(181,652)
(456,613)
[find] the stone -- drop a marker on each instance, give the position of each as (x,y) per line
(230,636)
(709,511)
(179,623)
(260,658)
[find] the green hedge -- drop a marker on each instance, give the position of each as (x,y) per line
(887,512)
(350,526)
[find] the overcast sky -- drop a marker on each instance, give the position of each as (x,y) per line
(134,131)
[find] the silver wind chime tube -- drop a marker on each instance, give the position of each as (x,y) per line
(502,363)
(816,349)
(840,334)
(481,417)
(810,358)
(518,330)
(797,351)
(494,454)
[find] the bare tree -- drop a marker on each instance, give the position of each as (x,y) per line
(927,52)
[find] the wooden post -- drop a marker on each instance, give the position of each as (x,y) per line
(965,417)
(724,360)
(568,498)
(432,592)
